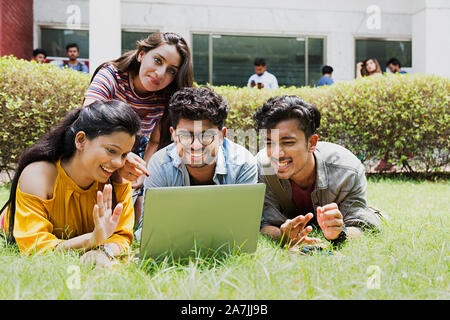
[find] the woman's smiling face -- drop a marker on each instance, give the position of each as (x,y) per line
(158,68)
(104,154)
(371,66)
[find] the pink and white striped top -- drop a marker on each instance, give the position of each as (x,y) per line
(111,84)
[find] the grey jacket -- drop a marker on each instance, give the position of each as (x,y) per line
(340,179)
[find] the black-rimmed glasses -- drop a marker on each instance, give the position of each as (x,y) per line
(205,138)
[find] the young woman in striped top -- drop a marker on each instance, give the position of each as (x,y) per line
(145,78)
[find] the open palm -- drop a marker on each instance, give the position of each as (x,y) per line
(105,219)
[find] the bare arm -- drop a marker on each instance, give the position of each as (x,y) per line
(150,149)
(153,143)
(81,242)
(272,232)
(85,242)
(358,70)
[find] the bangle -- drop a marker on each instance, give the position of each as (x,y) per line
(108,251)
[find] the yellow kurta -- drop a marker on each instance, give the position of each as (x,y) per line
(41,224)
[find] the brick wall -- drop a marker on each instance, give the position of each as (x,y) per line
(16,28)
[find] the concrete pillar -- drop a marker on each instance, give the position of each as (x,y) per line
(340,51)
(430,44)
(104,32)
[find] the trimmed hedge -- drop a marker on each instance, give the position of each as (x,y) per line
(33,97)
(406,116)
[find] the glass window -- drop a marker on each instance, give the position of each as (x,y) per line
(233,56)
(200,49)
(129,39)
(383,50)
(54,41)
(315,60)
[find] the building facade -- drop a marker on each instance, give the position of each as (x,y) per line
(16,28)
(295,37)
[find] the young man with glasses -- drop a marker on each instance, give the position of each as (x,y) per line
(200,153)
(308,182)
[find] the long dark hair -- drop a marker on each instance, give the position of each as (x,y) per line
(97,119)
(128,63)
(365,72)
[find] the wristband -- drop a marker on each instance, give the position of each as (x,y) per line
(341,238)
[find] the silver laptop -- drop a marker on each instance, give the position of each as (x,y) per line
(197,220)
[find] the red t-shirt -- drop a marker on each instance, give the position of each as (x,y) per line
(302,200)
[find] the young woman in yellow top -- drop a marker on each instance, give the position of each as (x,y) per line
(65,193)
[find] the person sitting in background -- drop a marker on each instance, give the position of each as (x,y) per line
(73,52)
(66,194)
(39,55)
(369,67)
(308,181)
(262,78)
(394,66)
(326,79)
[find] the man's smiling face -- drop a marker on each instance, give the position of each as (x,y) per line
(288,149)
(202,151)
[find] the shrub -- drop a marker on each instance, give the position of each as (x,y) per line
(33,97)
(404,116)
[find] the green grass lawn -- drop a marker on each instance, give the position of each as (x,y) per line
(410,258)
